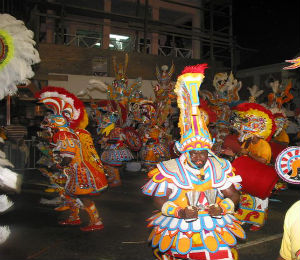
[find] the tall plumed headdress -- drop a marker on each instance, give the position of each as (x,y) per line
(194,132)
(17,54)
(64,103)
(253,119)
(209,115)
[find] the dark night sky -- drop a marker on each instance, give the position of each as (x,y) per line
(273,29)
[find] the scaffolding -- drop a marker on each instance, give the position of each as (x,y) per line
(135,17)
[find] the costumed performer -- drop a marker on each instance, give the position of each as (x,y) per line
(256,126)
(79,160)
(115,151)
(195,193)
(225,95)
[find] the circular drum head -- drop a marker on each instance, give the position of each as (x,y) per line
(287,165)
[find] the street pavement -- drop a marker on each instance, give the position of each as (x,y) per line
(124,209)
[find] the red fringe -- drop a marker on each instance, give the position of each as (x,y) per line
(199,68)
(276,115)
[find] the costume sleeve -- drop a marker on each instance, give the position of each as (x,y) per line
(265,151)
(283,137)
(158,185)
(231,179)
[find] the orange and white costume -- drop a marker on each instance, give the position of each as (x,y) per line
(74,146)
(258,179)
(205,237)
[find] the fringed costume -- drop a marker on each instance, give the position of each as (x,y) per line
(76,154)
(117,138)
(115,150)
(225,96)
(186,187)
(256,126)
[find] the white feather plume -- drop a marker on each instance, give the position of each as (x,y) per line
(6,163)
(10,180)
(97,84)
(93,84)
(5,203)
(255,92)
(4,234)
(2,154)
(18,68)
(54,201)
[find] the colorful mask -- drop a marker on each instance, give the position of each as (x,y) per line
(253,119)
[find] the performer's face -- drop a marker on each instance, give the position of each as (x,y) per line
(199,158)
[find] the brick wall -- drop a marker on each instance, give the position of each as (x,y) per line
(78,61)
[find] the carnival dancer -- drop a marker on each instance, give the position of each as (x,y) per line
(115,151)
(116,136)
(280,138)
(154,134)
(256,126)
(79,160)
(225,96)
(155,128)
(195,193)
(278,143)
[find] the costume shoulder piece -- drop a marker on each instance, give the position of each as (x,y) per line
(174,171)
(221,168)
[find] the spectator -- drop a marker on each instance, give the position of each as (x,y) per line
(290,245)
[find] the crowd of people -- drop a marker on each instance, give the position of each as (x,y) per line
(206,183)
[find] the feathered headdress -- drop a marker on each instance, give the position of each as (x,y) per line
(254,93)
(194,132)
(164,77)
(64,103)
(209,115)
(17,54)
(253,119)
(295,65)
(281,122)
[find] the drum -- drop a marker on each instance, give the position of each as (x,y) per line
(133,139)
(276,149)
(231,141)
(258,179)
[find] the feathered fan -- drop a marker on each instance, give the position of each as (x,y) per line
(17,54)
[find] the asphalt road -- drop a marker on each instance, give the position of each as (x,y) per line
(36,234)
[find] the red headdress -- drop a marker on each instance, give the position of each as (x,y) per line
(64,103)
(254,119)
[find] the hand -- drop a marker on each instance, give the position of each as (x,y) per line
(214,210)
(228,151)
(243,151)
(188,212)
